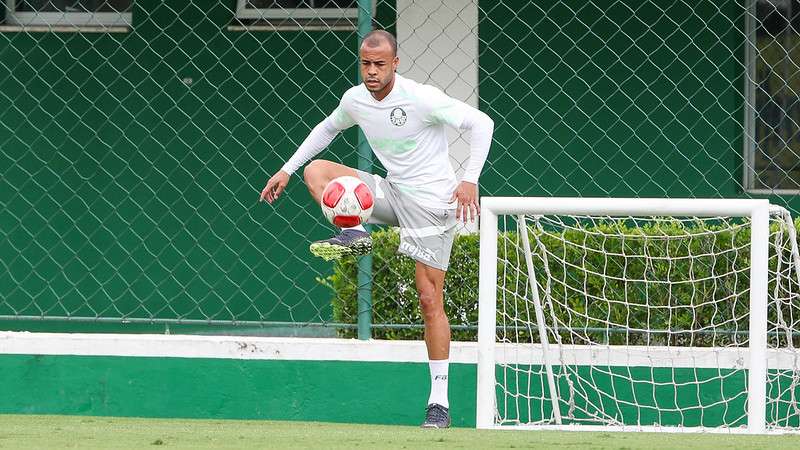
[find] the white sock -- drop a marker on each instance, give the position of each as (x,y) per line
(357,228)
(439,370)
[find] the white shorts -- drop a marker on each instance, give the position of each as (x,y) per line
(426,234)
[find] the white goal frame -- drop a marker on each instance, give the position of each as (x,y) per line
(755,357)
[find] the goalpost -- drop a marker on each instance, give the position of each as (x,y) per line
(638,314)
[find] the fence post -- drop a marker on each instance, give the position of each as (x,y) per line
(365,164)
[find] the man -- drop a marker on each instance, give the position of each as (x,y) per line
(404,124)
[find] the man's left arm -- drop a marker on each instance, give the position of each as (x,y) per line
(481,128)
(441,109)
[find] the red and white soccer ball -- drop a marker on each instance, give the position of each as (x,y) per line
(347,202)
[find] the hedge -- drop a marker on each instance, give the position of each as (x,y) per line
(709,312)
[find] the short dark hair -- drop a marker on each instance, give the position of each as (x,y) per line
(376,37)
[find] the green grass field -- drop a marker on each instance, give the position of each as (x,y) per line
(49,432)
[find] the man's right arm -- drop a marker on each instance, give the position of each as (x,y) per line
(319,138)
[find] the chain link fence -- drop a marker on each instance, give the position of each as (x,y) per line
(136,136)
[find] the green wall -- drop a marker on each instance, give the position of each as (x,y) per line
(358,392)
(389,393)
(628,98)
(125,192)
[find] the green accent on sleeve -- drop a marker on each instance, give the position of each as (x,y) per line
(447,115)
(341,119)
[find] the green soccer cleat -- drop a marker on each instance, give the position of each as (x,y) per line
(347,243)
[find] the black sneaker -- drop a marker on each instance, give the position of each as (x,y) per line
(347,243)
(436,416)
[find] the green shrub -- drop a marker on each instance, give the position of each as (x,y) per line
(587,307)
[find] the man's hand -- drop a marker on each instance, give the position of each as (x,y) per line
(467,196)
(274,187)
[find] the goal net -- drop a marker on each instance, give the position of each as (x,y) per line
(638,314)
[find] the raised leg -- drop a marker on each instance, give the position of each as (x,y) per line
(319,173)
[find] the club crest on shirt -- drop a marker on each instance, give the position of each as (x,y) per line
(398,117)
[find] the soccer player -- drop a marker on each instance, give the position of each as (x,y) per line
(404,123)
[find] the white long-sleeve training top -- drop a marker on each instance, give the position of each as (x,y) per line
(406,131)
